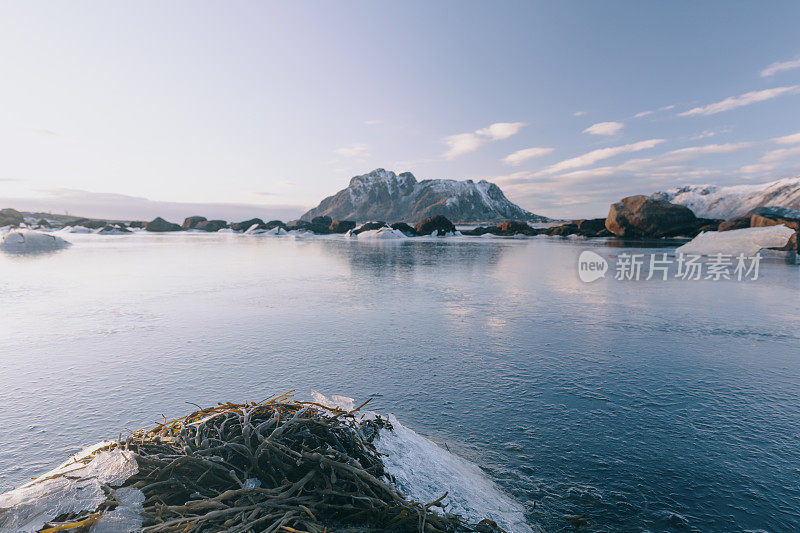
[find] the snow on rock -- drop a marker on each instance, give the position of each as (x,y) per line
(256,230)
(748,241)
(710,201)
(424,471)
(74,486)
(29,241)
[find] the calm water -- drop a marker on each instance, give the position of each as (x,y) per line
(660,406)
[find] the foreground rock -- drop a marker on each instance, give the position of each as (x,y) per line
(28,241)
(342,226)
(247,224)
(158,224)
(436,225)
(767,216)
(643,216)
(211,225)
(11,217)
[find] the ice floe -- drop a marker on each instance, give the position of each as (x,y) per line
(29,241)
(748,241)
(386,233)
(76,485)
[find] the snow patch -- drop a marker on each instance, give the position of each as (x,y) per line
(748,241)
(29,241)
(381,234)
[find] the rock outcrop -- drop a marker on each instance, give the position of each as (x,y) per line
(192,222)
(644,216)
(437,224)
(158,224)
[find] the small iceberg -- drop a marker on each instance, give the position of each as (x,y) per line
(29,241)
(381,234)
(748,241)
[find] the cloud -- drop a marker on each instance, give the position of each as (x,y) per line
(779,67)
(501,130)
(520,156)
(598,155)
(604,128)
(788,139)
(707,149)
(464,143)
(739,101)
(643,114)
(355,150)
(705,135)
(578,113)
(771,159)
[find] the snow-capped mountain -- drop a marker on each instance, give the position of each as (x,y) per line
(384,195)
(710,201)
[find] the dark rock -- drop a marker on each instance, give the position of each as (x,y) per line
(192,222)
(734,223)
(11,217)
(342,226)
(247,224)
(275,224)
(758,221)
(563,230)
(590,227)
(114,229)
(90,223)
(43,223)
(158,224)
(405,228)
(644,216)
(137,224)
(437,223)
(322,220)
(369,226)
(514,227)
(211,225)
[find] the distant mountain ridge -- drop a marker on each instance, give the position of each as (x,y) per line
(711,201)
(384,195)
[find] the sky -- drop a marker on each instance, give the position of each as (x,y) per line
(238,109)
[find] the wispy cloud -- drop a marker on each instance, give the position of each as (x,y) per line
(788,139)
(594,156)
(739,101)
(578,113)
(604,128)
(704,135)
(359,150)
(643,114)
(780,66)
(523,155)
(464,143)
(771,159)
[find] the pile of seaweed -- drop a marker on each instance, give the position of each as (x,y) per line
(278,465)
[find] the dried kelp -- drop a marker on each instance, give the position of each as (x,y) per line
(274,466)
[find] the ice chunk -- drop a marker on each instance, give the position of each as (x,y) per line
(424,472)
(29,241)
(72,487)
(748,241)
(126,517)
(382,234)
(341,402)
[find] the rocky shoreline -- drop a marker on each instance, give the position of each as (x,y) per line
(633,217)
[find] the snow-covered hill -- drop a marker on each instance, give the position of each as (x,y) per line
(710,201)
(384,195)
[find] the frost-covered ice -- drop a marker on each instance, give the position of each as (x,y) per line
(255,230)
(29,241)
(126,517)
(75,229)
(72,487)
(748,241)
(381,234)
(424,472)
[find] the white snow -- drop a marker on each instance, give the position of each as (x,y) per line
(74,486)
(75,229)
(255,230)
(29,241)
(711,201)
(748,241)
